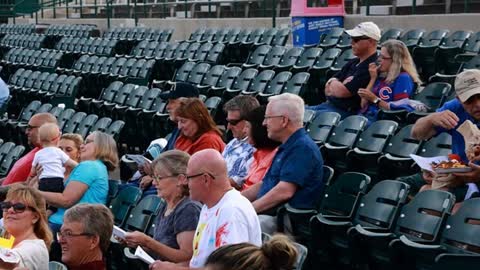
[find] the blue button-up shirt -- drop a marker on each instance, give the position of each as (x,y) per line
(300,162)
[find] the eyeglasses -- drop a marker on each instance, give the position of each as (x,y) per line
(384,57)
(160,178)
(357,39)
(17,207)
(190,177)
(272,116)
(69,235)
(234,122)
(87,141)
(29,127)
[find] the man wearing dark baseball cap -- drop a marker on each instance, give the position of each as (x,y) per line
(179,90)
(450,116)
(341,90)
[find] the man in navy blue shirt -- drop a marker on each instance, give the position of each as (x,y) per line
(449,117)
(296,174)
(341,90)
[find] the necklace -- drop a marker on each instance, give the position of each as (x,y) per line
(169,210)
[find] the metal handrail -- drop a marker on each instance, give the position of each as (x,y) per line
(59,4)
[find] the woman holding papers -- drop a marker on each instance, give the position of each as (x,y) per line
(177,219)
(25,218)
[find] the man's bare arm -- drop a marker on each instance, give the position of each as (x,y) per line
(281,193)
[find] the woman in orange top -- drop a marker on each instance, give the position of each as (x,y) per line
(265,147)
(198,131)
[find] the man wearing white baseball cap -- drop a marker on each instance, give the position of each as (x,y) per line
(449,117)
(341,90)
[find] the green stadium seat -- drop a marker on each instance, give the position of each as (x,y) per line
(8,161)
(115,129)
(342,139)
(211,78)
(331,38)
(433,96)
(257,57)
(319,71)
(86,124)
(445,55)
(274,87)
(412,38)
(306,60)
(259,83)
(72,124)
(226,81)
(345,42)
(56,266)
(281,37)
(322,126)
(396,160)
(369,147)
(377,210)
(122,204)
(273,58)
(392,33)
(101,125)
(458,243)
(241,83)
(415,224)
(423,54)
(288,59)
(63,118)
(297,84)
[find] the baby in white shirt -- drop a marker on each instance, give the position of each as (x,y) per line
(51,159)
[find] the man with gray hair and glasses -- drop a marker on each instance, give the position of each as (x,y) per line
(296,173)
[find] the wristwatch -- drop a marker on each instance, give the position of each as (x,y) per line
(376,101)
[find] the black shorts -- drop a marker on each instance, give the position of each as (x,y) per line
(51,184)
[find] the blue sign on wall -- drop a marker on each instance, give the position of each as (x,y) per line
(307,30)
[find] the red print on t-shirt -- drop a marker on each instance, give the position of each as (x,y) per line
(222,231)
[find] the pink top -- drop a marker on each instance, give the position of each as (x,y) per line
(262,159)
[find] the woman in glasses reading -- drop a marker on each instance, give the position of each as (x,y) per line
(177,218)
(25,218)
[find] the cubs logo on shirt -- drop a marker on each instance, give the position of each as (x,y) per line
(385,92)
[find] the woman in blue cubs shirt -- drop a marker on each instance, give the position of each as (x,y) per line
(393,79)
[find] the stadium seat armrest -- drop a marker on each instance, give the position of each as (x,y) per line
(417,245)
(370,232)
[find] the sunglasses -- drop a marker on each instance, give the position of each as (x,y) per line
(357,39)
(234,122)
(17,207)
